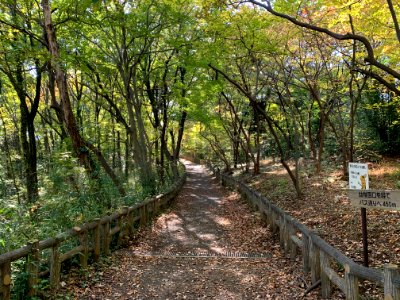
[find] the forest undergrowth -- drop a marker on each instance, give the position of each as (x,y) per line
(68,197)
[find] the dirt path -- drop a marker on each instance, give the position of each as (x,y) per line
(189,253)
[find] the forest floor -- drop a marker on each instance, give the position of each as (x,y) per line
(325,208)
(189,253)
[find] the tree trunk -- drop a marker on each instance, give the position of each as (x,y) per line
(321,140)
(27,129)
(313,151)
(9,167)
(235,145)
(175,158)
(119,153)
(256,169)
(78,144)
(127,155)
(61,80)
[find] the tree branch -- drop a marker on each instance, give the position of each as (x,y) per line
(394,18)
(348,36)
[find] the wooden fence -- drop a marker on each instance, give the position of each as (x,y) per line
(318,257)
(93,238)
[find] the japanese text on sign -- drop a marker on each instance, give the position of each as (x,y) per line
(375,199)
(358,176)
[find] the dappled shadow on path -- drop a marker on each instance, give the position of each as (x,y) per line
(205,219)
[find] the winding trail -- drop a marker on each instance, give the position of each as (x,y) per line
(209,245)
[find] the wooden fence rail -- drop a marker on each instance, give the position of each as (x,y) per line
(92,238)
(318,257)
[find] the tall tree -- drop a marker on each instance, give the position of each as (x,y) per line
(23,67)
(80,146)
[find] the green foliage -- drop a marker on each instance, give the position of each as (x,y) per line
(68,197)
(396,177)
(380,117)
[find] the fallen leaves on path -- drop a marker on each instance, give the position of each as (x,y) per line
(204,219)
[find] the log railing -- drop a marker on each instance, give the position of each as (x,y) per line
(318,257)
(93,239)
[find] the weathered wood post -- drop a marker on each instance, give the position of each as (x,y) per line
(33,268)
(154,207)
(287,239)
(272,221)
(83,241)
(143,216)
(5,284)
(96,241)
(351,283)
(129,222)
(55,266)
(326,288)
(163,201)
(292,244)
(282,225)
(264,212)
(264,216)
(306,253)
(391,290)
(126,221)
(106,237)
(314,261)
(150,211)
(120,222)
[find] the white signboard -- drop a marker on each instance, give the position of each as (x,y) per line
(358,176)
(389,200)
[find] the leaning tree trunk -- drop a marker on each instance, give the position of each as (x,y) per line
(61,80)
(78,143)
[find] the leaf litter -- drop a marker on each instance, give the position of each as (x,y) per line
(205,218)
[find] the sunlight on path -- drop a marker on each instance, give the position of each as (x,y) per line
(209,245)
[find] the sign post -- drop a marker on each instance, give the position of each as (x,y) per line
(358,180)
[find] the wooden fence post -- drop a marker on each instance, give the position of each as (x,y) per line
(264,213)
(33,268)
(154,207)
(292,244)
(306,253)
(129,222)
(282,225)
(326,288)
(287,237)
(351,283)
(274,227)
(55,266)
(126,231)
(96,241)
(264,217)
(106,237)
(5,284)
(120,222)
(391,291)
(314,261)
(83,240)
(142,212)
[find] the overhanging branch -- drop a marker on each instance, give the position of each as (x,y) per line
(348,36)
